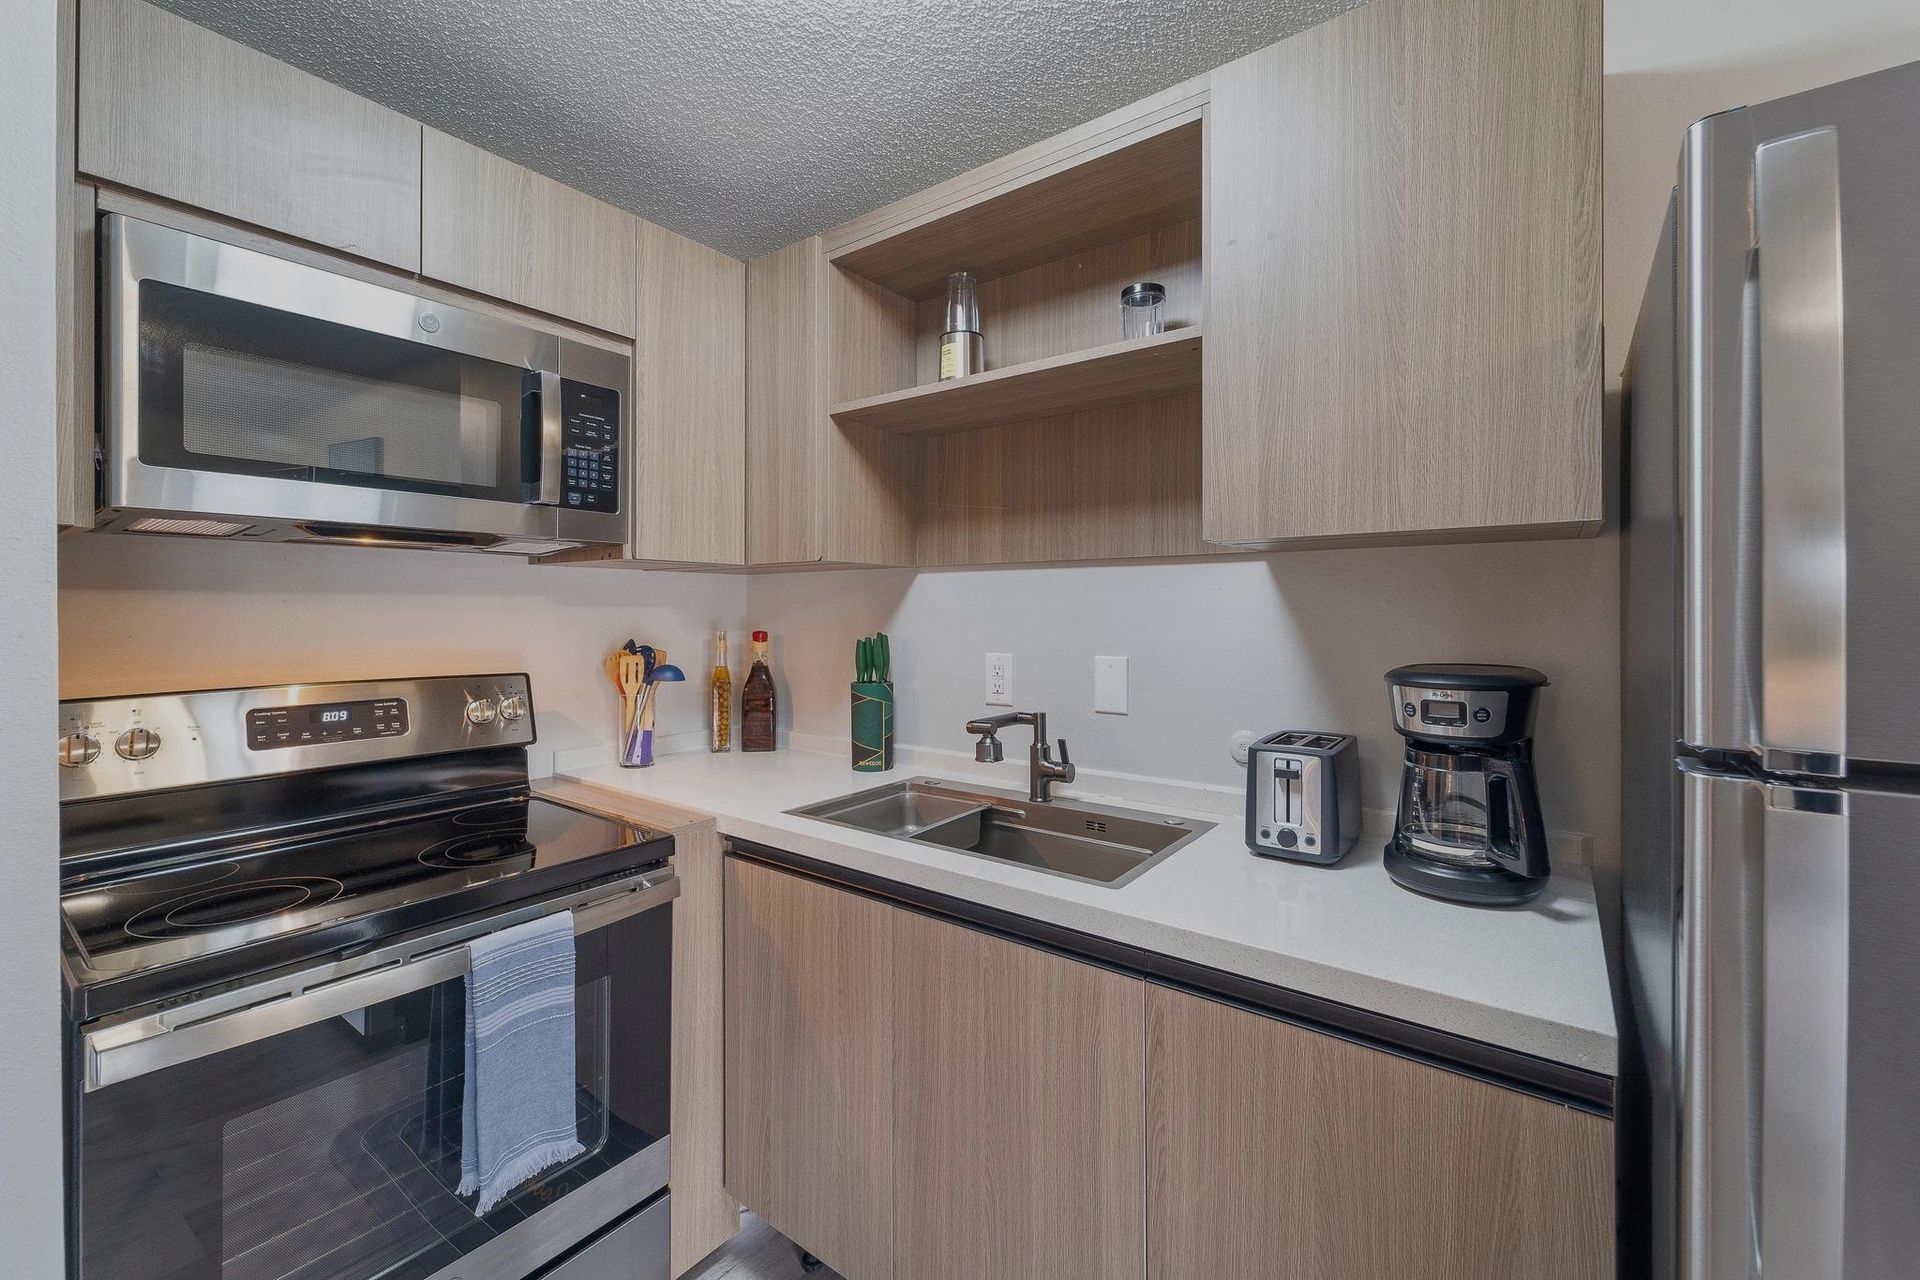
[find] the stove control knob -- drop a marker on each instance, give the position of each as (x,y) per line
(481,711)
(513,707)
(136,744)
(77,749)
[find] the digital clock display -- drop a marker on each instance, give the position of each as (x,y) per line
(269,728)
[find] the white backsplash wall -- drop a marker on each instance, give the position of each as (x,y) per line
(139,615)
(1300,640)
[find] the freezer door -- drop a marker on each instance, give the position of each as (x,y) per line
(1763,978)
(1883,1037)
(1798,304)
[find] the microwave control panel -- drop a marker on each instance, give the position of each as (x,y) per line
(590,438)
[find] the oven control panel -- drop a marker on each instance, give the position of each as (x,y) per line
(271,728)
(590,439)
(117,746)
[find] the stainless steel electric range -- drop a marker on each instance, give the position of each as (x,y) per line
(267,895)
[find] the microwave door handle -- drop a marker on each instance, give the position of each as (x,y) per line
(129,1050)
(552,436)
(1802,613)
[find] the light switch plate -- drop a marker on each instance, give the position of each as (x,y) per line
(1110,686)
(999,680)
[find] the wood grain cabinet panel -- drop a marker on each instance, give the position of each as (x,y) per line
(170,108)
(1403,266)
(690,413)
(496,228)
(809,1048)
(1279,1153)
(1017,1118)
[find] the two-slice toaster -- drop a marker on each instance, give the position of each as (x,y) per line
(1303,795)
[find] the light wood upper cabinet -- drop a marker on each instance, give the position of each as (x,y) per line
(689,458)
(1403,265)
(496,228)
(1283,1153)
(1017,1124)
(172,109)
(809,1064)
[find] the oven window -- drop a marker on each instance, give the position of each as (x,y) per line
(235,387)
(332,1152)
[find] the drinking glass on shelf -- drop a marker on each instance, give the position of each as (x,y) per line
(1143,309)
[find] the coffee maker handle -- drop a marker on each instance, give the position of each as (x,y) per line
(1522,851)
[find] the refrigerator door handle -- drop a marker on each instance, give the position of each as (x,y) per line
(1762,1030)
(1802,677)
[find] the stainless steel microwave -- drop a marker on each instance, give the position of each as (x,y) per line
(248,397)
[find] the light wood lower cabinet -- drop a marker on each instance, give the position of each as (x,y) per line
(1016,1110)
(1282,1153)
(809,991)
(916,1099)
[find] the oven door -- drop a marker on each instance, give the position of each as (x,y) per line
(316,1136)
(293,402)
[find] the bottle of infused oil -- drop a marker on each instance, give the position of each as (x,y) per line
(720,698)
(757,701)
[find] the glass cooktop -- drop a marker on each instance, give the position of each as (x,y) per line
(132,920)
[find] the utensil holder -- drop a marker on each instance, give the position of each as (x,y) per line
(636,738)
(872,726)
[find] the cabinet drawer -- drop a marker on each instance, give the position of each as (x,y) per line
(634,1250)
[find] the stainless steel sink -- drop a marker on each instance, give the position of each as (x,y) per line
(1098,844)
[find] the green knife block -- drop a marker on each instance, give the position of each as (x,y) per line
(872,726)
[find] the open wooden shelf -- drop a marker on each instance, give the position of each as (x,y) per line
(1119,373)
(1147,179)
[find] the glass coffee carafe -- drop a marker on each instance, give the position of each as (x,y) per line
(1462,808)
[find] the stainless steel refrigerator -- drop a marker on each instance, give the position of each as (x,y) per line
(1769,1115)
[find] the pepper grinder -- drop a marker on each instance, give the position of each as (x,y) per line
(962,350)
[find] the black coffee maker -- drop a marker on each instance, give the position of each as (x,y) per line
(1469,821)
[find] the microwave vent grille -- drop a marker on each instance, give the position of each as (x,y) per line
(188,528)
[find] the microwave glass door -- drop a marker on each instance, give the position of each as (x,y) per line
(233,386)
(332,1151)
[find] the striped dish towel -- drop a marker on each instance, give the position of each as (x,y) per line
(517,1117)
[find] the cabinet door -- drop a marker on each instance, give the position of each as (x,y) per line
(493,227)
(1403,265)
(690,390)
(173,109)
(1283,1153)
(809,991)
(1018,1143)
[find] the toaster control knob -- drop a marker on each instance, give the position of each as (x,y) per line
(481,711)
(77,749)
(1287,838)
(136,744)
(513,707)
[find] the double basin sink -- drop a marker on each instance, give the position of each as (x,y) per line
(1097,844)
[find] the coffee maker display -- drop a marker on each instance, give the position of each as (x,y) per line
(1468,827)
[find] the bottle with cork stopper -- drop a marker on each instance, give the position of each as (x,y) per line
(757,711)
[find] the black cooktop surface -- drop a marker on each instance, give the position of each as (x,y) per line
(265,901)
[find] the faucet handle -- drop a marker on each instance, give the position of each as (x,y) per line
(1066,763)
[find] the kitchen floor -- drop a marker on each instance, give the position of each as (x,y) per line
(757,1253)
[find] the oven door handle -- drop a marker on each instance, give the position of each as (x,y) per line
(129,1050)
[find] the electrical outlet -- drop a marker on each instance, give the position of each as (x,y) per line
(1110,686)
(999,680)
(1239,743)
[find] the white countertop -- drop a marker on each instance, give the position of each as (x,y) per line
(1531,979)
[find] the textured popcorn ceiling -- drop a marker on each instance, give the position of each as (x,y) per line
(749,124)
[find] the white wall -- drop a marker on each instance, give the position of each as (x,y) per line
(30,1188)
(1284,641)
(140,615)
